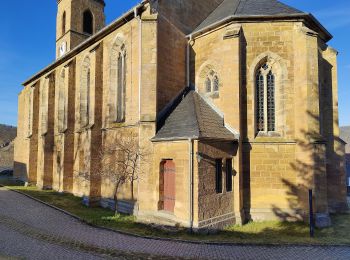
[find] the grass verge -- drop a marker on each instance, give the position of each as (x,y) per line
(268,232)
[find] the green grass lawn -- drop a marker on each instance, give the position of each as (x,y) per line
(269,232)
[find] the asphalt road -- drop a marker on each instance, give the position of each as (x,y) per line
(31,230)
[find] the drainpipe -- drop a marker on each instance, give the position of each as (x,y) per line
(191,157)
(188,60)
(191,154)
(138,17)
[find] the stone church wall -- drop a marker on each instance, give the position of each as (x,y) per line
(214,210)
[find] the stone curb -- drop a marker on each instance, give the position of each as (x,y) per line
(173,239)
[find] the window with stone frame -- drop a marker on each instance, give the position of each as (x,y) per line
(212,82)
(62,102)
(30,111)
(218,175)
(121,86)
(88,22)
(229,175)
(265,99)
(117,89)
(64,23)
(85,92)
(44,105)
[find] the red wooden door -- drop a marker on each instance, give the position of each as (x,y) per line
(169,185)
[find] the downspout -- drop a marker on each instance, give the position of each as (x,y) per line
(190,140)
(191,157)
(188,60)
(138,17)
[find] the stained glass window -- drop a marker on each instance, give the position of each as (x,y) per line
(216,83)
(265,99)
(260,102)
(212,82)
(208,85)
(121,87)
(271,101)
(88,86)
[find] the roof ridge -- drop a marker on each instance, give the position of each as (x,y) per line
(196,108)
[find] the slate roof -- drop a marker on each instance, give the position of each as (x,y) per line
(194,118)
(229,8)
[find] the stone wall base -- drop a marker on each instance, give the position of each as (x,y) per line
(124,206)
(169,219)
(218,222)
(266,214)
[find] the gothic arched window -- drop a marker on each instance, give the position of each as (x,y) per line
(120,102)
(117,89)
(64,23)
(62,102)
(265,99)
(85,88)
(212,83)
(88,22)
(216,83)
(208,85)
(44,105)
(30,111)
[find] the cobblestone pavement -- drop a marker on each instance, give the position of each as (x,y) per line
(31,230)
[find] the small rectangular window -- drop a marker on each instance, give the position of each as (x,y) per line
(218,175)
(229,175)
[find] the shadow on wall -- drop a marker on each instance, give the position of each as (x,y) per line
(20,171)
(318,166)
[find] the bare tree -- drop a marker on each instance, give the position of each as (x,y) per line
(120,159)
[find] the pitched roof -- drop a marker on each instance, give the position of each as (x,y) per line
(194,118)
(237,8)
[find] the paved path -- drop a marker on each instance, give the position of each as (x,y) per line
(32,230)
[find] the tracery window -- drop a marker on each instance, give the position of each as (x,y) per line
(62,102)
(208,85)
(265,99)
(121,86)
(44,106)
(117,85)
(212,83)
(30,111)
(85,92)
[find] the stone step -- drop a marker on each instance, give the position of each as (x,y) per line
(159,218)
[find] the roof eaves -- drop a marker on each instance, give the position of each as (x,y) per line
(306,16)
(218,139)
(179,138)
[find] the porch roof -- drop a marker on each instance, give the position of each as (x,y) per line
(194,118)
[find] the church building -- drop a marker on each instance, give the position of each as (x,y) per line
(235,102)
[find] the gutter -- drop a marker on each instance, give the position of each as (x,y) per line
(243,18)
(88,42)
(188,60)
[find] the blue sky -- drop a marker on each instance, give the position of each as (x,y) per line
(27,44)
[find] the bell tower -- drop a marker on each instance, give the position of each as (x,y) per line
(77,20)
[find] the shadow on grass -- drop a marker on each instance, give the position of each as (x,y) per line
(269,232)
